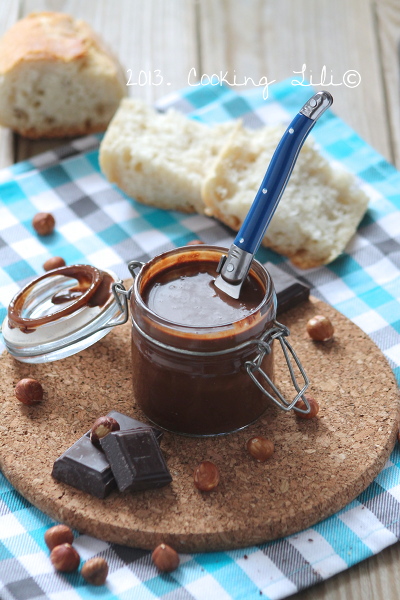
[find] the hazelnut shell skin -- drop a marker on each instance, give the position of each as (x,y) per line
(95,571)
(29,391)
(43,223)
(206,476)
(320,328)
(57,535)
(55,262)
(165,558)
(65,558)
(260,448)
(102,427)
(314,409)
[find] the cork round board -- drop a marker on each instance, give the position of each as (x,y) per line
(318,466)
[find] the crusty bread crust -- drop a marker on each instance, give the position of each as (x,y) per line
(43,36)
(57,78)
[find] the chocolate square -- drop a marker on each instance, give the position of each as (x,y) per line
(136,460)
(86,467)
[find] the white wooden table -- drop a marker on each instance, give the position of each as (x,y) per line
(166,40)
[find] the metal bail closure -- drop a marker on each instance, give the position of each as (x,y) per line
(278,332)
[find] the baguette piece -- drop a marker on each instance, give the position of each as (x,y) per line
(160,159)
(318,212)
(57,78)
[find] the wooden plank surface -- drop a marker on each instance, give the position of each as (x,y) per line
(388,26)
(275,38)
(256,38)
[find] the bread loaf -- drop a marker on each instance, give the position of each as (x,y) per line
(318,212)
(57,78)
(160,159)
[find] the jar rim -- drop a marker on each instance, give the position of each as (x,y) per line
(198,253)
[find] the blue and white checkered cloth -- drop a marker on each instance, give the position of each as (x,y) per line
(98,224)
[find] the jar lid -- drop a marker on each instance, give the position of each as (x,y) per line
(61,313)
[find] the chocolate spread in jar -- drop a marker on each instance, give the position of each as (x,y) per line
(189,347)
(186,294)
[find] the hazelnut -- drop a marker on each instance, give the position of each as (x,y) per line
(55,262)
(206,476)
(43,223)
(57,535)
(95,571)
(194,243)
(165,558)
(260,448)
(29,391)
(314,408)
(65,558)
(320,328)
(102,427)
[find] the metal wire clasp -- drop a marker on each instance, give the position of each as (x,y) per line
(278,332)
(122,296)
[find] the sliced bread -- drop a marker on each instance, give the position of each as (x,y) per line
(57,78)
(318,212)
(160,159)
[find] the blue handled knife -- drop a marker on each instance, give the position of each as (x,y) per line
(234,267)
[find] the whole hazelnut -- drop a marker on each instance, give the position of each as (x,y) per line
(314,408)
(194,243)
(29,391)
(65,558)
(55,262)
(260,448)
(165,558)
(206,476)
(57,535)
(102,427)
(320,328)
(43,223)
(95,571)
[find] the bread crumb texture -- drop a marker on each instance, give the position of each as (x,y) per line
(160,159)
(57,78)
(318,212)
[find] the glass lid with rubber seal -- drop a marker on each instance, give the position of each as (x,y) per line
(63,312)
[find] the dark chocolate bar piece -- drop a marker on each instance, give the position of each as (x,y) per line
(136,460)
(86,468)
(289,290)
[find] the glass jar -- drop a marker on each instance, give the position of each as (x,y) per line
(193,379)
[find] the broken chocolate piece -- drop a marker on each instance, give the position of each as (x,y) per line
(86,468)
(289,290)
(136,460)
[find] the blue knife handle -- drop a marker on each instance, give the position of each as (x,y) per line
(273,185)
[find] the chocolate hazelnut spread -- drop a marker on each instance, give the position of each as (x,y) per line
(93,289)
(186,295)
(191,342)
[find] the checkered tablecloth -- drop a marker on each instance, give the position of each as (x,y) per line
(98,224)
